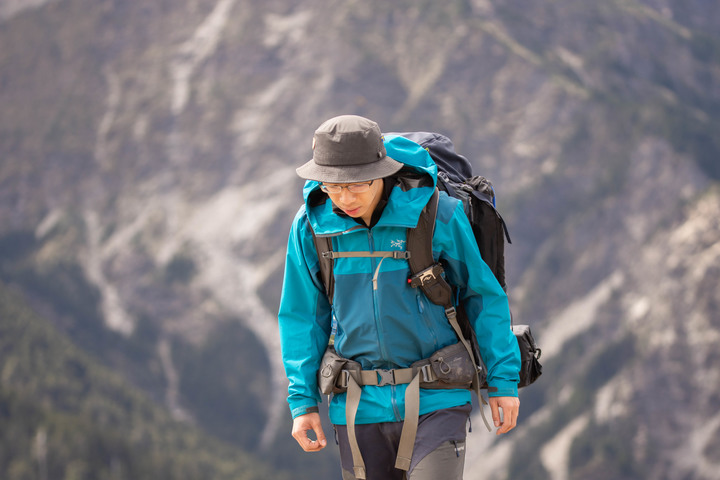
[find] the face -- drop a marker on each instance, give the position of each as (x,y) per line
(358,205)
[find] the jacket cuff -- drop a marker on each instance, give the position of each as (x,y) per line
(303,410)
(502,388)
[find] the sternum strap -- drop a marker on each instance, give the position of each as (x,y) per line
(396,254)
(400,254)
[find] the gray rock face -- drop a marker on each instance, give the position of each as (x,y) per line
(152,147)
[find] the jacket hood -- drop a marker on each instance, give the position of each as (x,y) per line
(416,182)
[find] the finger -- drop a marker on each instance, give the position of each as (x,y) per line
(320,434)
(514,415)
(506,426)
(314,446)
(495,412)
(510,415)
(320,441)
(306,443)
(299,433)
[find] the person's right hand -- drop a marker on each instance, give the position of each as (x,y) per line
(301,425)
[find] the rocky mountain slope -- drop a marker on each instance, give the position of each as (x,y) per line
(147,155)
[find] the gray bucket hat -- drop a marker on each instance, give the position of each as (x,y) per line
(348,149)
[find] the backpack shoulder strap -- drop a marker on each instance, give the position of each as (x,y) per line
(324,248)
(425,273)
(419,239)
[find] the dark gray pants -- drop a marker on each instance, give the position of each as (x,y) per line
(439,451)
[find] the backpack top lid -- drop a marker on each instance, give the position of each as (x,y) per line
(442,151)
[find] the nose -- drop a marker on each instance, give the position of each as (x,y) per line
(346,196)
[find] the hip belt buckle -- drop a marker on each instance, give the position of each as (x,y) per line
(385,377)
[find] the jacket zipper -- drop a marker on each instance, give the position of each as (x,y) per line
(381,339)
(376,306)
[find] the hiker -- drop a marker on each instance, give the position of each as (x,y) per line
(362,194)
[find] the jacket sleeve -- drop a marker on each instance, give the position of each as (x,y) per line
(484,299)
(304,319)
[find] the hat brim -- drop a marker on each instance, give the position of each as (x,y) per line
(349,173)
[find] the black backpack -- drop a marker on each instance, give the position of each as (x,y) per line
(478,197)
(476,193)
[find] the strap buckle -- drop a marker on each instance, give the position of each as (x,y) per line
(385,377)
(343,379)
(427,276)
(427,373)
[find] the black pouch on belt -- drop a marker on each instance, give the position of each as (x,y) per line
(330,374)
(452,368)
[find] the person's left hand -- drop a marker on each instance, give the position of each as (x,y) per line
(510,407)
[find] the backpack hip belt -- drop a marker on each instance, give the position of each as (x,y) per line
(449,367)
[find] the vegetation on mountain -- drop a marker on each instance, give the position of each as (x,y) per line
(63,416)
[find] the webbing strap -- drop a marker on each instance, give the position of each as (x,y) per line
(451,314)
(410,425)
(324,244)
(400,254)
(351,407)
(397,254)
(387,377)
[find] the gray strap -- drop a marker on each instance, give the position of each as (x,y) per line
(410,425)
(351,406)
(399,254)
(412,412)
(451,314)
(381,377)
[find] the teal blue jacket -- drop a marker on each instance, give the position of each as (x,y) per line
(390,324)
